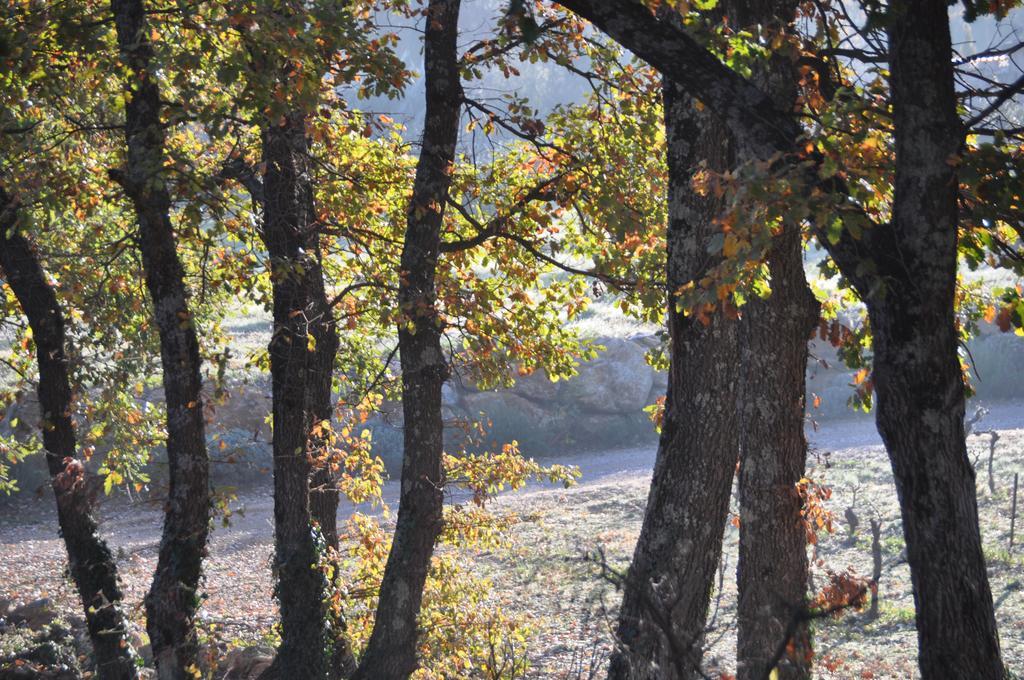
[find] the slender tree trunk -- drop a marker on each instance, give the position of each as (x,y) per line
(917,377)
(174,595)
(324,496)
(91,565)
(323,484)
(668,587)
(772,569)
(302,352)
(391,652)
(291,238)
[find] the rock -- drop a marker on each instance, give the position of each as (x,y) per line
(995,366)
(35,615)
(537,387)
(504,405)
(512,418)
(247,663)
(646,340)
(617,381)
(612,430)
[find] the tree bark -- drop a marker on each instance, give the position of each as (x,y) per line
(668,587)
(174,595)
(294,236)
(917,377)
(772,570)
(90,562)
(302,353)
(391,651)
(324,495)
(323,484)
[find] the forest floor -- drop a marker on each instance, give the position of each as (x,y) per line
(546,573)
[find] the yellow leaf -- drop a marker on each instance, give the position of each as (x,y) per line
(730,246)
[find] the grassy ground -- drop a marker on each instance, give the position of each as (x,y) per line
(551,577)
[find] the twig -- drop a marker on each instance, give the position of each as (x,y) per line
(993,438)
(1013,510)
(876,560)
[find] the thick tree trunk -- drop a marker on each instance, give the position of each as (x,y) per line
(668,587)
(90,562)
(302,352)
(174,596)
(917,377)
(772,568)
(391,652)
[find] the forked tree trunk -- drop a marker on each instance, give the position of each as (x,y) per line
(302,352)
(917,377)
(905,271)
(174,595)
(668,586)
(772,569)
(90,562)
(391,652)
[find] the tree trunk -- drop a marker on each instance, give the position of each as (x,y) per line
(90,563)
(323,484)
(174,595)
(772,569)
(668,587)
(302,352)
(917,377)
(391,652)
(324,496)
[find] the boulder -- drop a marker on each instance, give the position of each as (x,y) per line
(512,418)
(537,387)
(449,395)
(505,405)
(617,381)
